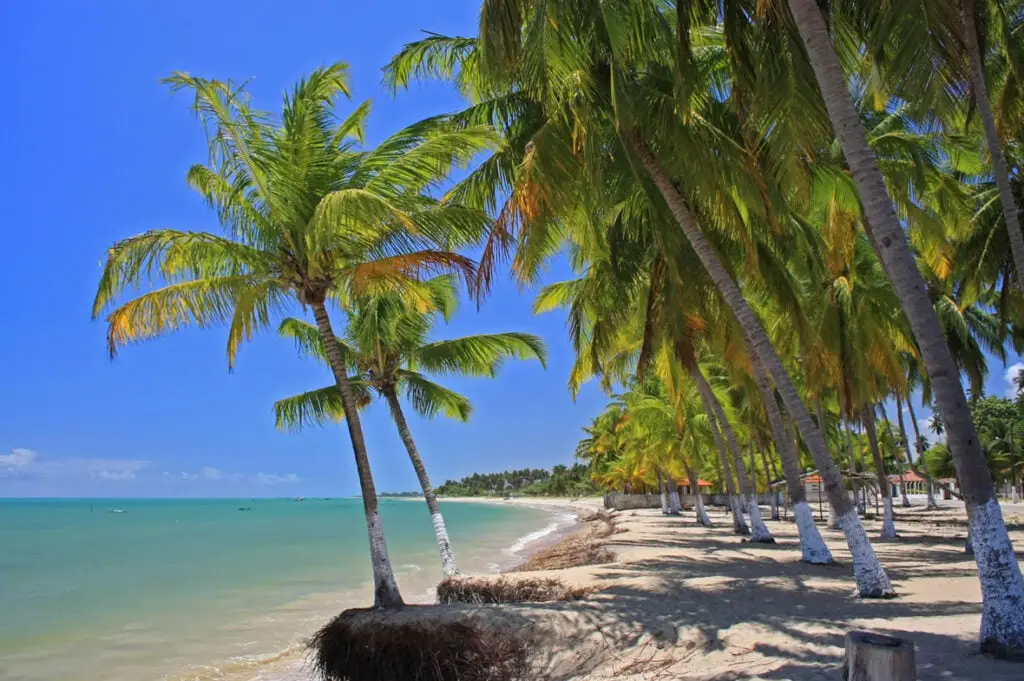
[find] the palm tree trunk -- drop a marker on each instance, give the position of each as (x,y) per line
(833,517)
(812,547)
(385,588)
(853,469)
(932,504)
(872,582)
(444,544)
(771,489)
(759,531)
(1002,585)
(888,521)
(739,525)
(753,463)
(698,502)
(903,434)
(1000,169)
(663,492)
(903,483)
(674,507)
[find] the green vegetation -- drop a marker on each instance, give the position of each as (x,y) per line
(387,351)
(560,481)
(780,216)
(1000,423)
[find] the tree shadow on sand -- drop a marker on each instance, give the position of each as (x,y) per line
(699,607)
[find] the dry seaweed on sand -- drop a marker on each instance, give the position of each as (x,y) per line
(478,590)
(583,547)
(415,644)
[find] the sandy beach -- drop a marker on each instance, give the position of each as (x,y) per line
(685,602)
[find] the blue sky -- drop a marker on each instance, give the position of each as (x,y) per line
(96,150)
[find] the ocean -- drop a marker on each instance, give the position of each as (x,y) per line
(214,589)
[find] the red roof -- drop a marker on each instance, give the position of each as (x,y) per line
(909,476)
(813,478)
(703,483)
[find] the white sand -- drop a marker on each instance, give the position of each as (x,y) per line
(687,603)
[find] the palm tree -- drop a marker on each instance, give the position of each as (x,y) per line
(916,467)
(500,67)
(1002,628)
(973,39)
(386,345)
(884,488)
(308,218)
(812,546)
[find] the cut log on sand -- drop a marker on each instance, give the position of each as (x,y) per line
(874,657)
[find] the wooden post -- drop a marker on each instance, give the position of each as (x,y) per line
(875,657)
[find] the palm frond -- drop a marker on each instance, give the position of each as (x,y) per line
(317,407)
(480,355)
(429,398)
(203,303)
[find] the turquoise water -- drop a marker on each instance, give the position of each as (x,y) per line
(198,589)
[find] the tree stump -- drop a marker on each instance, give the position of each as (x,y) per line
(874,657)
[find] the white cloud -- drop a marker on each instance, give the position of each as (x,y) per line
(27,464)
(18,459)
(211,474)
(207,473)
(1010,376)
(271,479)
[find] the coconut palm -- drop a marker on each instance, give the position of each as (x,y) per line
(308,218)
(942,85)
(540,183)
(386,347)
(1002,628)
(975,38)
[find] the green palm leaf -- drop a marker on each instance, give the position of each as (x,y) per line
(317,407)
(429,398)
(480,355)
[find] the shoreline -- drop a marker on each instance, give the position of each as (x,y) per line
(290,663)
(254,627)
(556,532)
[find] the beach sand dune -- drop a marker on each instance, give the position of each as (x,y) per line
(686,603)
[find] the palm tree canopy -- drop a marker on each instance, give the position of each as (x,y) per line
(306,214)
(386,346)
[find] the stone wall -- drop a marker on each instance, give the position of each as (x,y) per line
(625,502)
(763,499)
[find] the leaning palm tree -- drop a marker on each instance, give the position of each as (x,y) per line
(630,98)
(975,40)
(1002,585)
(308,218)
(386,346)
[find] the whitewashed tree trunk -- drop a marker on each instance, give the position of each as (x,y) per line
(759,532)
(1002,585)
(444,543)
(903,483)
(888,521)
(833,518)
(663,491)
(811,544)
(853,469)
(872,581)
(930,484)
(702,515)
(739,525)
(812,547)
(674,507)
(385,588)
